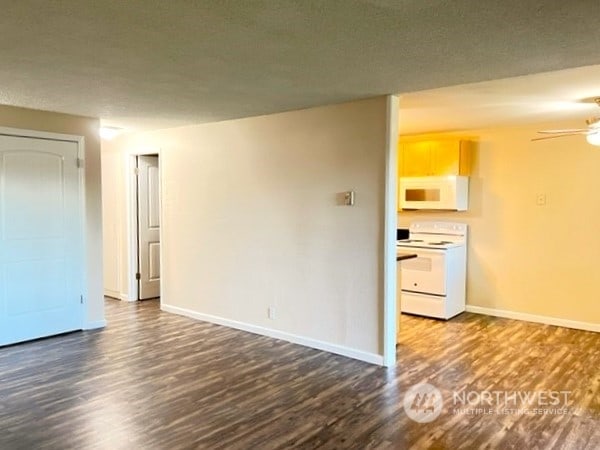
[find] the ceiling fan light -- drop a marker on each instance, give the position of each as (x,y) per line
(593,138)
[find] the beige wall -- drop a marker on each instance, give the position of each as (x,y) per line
(251,219)
(88,128)
(540,260)
(111,215)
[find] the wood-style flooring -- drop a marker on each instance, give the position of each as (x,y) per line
(152,380)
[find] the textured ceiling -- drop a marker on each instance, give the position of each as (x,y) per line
(163,63)
(559,95)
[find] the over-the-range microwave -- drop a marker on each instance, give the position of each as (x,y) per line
(439,192)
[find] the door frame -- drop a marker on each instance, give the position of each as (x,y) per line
(132,224)
(390,225)
(80,239)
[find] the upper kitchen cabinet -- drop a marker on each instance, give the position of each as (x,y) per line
(422,158)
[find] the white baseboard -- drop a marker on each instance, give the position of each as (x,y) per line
(371,358)
(126,298)
(112,294)
(547,320)
(94,325)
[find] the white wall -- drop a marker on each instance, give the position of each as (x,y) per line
(538,260)
(88,128)
(251,218)
(112,175)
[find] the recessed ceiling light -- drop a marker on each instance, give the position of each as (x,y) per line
(109,133)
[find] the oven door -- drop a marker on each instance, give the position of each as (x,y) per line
(426,273)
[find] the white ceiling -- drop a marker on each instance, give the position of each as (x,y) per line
(152,63)
(559,95)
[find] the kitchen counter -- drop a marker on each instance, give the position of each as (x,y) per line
(403,256)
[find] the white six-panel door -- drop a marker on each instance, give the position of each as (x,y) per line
(149,227)
(41,257)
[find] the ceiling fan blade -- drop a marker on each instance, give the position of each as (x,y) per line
(574,130)
(559,135)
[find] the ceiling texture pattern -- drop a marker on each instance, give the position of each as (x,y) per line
(167,63)
(549,96)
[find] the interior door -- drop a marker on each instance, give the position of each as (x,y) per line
(148,227)
(40,239)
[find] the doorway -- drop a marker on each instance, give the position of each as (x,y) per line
(147,229)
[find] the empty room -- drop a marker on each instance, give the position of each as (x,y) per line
(283,224)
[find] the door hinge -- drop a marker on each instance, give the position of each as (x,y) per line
(136,171)
(138,276)
(81,299)
(80,162)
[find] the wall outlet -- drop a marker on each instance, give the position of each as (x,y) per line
(271,312)
(540,199)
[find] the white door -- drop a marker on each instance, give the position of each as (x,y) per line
(148,227)
(41,256)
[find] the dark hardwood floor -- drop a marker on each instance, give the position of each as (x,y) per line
(152,380)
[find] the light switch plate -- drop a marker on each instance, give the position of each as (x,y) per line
(349,198)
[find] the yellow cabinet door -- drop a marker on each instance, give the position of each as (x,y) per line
(415,159)
(434,158)
(445,158)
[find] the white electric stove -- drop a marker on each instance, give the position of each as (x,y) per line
(434,283)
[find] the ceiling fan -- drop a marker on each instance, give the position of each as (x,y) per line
(591,133)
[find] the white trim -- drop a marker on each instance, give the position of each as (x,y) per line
(547,320)
(161,230)
(22,132)
(132,231)
(94,325)
(132,247)
(112,294)
(82,238)
(83,226)
(127,298)
(371,358)
(390,225)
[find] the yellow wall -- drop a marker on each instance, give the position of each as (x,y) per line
(541,260)
(81,126)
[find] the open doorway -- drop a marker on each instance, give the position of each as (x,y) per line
(132,218)
(147,180)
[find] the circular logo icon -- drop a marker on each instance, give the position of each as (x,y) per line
(423,402)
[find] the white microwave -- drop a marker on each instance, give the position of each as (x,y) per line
(443,192)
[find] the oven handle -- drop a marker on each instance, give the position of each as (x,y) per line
(420,250)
